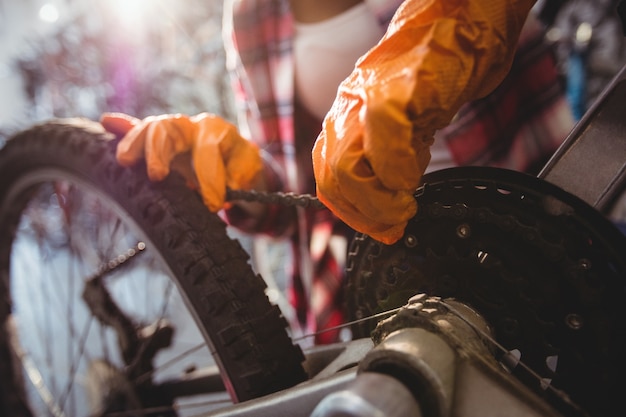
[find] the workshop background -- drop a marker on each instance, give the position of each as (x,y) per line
(80,58)
(62,58)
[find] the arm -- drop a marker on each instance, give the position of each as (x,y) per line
(374,145)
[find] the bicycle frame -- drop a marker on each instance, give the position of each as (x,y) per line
(433,356)
(439,365)
(595,145)
(439,362)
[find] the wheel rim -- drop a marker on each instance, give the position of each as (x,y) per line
(66,233)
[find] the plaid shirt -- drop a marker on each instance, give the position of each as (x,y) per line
(523,121)
(258,38)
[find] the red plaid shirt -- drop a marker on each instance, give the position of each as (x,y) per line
(523,121)
(258,37)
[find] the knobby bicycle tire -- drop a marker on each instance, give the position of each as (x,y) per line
(246,332)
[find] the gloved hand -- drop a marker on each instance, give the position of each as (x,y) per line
(375,141)
(211,148)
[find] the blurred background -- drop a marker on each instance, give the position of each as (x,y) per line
(65,58)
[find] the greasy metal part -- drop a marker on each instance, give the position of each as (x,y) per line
(485,390)
(372,394)
(543,268)
(201,381)
(331,368)
(420,345)
(322,361)
(423,361)
(298,401)
(102,306)
(286,199)
(591,163)
(326,360)
(440,351)
(452,381)
(433,358)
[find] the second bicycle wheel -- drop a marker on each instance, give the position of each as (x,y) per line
(97,262)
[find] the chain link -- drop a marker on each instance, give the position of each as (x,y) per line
(285,199)
(120,260)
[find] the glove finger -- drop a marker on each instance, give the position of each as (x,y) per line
(334,198)
(396,155)
(349,187)
(118,123)
(398,167)
(131,147)
(160,148)
(211,174)
(243,164)
(340,151)
(224,159)
(362,189)
(182,163)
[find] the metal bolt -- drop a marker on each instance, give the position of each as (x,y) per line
(574,321)
(410,241)
(482,257)
(585,264)
(464,231)
(418,298)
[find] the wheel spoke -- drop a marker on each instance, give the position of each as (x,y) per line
(37,380)
(74,364)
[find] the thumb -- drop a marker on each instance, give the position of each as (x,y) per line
(118,123)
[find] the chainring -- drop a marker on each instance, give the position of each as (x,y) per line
(544,268)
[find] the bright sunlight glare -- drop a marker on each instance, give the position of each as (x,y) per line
(49,13)
(130,7)
(132,13)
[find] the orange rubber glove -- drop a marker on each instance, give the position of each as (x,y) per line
(217,157)
(375,142)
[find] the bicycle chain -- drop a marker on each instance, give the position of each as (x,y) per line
(119,261)
(282,198)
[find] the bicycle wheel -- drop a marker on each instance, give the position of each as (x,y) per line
(96,262)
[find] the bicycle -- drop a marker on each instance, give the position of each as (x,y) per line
(495,312)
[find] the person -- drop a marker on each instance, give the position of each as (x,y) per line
(420,61)
(270,44)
